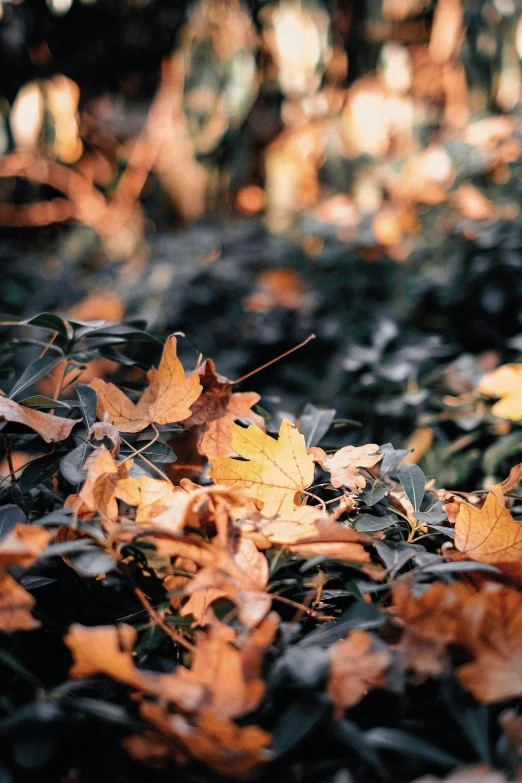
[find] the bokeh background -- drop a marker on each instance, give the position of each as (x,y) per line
(249,174)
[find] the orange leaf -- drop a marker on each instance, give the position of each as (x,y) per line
(167,399)
(241,576)
(161,504)
(275,471)
(107,649)
(106,482)
(232,751)
(218,666)
(354,670)
(15,606)
(490,535)
(431,623)
(491,629)
(23,545)
(50,428)
(217,408)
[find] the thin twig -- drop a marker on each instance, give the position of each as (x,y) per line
(139,453)
(158,620)
(272,361)
(12,471)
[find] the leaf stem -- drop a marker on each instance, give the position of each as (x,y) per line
(272,361)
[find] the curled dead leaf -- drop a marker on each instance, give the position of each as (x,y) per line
(345,463)
(107,481)
(49,427)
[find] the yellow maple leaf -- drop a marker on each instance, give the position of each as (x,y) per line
(167,398)
(275,471)
(490,535)
(505,382)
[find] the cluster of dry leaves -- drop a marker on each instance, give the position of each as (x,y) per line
(215,541)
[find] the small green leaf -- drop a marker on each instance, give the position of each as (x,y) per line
(34,372)
(413,480)
(367,523)
(375,491)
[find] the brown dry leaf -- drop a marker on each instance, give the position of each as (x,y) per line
(50,428)
(419,443)
(167,399)
(275,471)
(101,430)
(254,647)
(431,621)
(218,666)
(161,504)
(513,480)
(217,408)
(106,482)
(345,463)
(488,622)
(354,670)
(15,606)
(107,649)
(489,535)
(241,576)
(287,529)
(23,545)
(504,382)
(335,540)
(190,461)
(491,628)
(230,750)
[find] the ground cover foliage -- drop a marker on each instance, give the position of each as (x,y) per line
(277,602)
